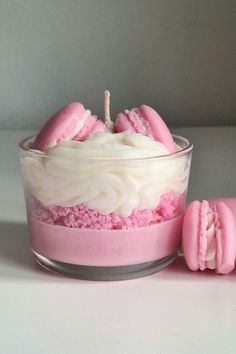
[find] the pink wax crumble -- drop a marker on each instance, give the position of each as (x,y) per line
(80,216)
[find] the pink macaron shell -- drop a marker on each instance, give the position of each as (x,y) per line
(225,239)
(99,126)
(145,120)
(59,127)
(160,131)
(229,201)
(190,235)
(122,123)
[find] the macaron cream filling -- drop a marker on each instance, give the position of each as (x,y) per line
(79,124)
(140,125)
(210,235)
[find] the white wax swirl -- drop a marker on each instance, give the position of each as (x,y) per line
(100,173)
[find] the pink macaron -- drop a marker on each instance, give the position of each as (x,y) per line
(145,120)
(209,237)
(229,201)
(72,122)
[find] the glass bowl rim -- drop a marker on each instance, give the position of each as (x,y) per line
(178,153)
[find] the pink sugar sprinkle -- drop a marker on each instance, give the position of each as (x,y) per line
(80,216)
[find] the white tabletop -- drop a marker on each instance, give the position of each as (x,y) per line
(174,311)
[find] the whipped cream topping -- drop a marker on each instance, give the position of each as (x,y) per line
(100,172)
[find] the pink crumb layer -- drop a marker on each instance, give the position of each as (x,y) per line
(81,216)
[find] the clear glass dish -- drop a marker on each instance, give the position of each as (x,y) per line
(105,219)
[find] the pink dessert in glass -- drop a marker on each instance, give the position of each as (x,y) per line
(106,208)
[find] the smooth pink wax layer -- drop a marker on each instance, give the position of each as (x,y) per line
(106,247)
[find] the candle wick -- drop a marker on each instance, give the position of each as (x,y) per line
(107,116)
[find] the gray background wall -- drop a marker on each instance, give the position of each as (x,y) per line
(177,55)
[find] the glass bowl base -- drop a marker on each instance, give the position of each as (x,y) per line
(104,273)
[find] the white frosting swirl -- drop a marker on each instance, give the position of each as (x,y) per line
(101,173)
